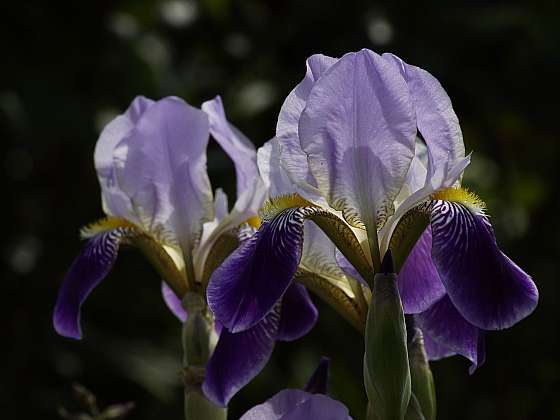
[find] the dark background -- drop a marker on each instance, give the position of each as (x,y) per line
(68,67)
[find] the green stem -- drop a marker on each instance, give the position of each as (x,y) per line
(198,344)
(371,230)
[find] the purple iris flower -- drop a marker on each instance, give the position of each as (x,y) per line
(296,404)
(369,139)
(151,164)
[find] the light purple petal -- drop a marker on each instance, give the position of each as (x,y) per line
(298,314)
(447,328)
(293,105)
(419,282)
(163,171)
(173,302)
(488,289)
(358,130)
(318,383)
(88,269)
(238,147)
(238,358)
(435,117)
(294,404)
(115,202)
(255,276)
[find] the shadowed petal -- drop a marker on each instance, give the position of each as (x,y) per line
(419,283)
(447,328)
(319,381)
(298,314)
(294,404)
(173,302)
(255,276)
(358,130)
(90,267)
(238,147)
(436,351)
(238,358)
(488,289)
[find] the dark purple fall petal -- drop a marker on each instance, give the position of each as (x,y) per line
(436,351)
(298,314)
(88,269)
(255,276)
(419,283)
(443,324)
(319,381)
(294,404)
(488,289)
(173,302)
(239,357)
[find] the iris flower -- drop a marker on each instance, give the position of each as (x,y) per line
(312,402)
(151,165)
(374,143)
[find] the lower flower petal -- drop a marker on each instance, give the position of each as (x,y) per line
(444,325)
(90,267)
(173,302)
(239,357)
(294,404)
(419,282)
(298,314)
(255,276)
(488,289)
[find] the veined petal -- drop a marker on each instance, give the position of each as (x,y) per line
(294,404)
(115,202)
(419,282)
(173,302)
(239,357)
(358,130)
(293,105)
(90,267)
(436,351)
(435,117)
(163,171)
(255,276)
(444,324)
(238,147)
(488,289)
(298,314)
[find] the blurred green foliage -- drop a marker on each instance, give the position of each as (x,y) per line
(68,67)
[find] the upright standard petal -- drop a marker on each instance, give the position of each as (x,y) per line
(443,324)
(293,105)
(488,289)
(238,147)
(255,276)
(115,202)
(239,357)
(294,404)
(358,130)
(164,172)
(90,267)
(435,116)
(298,314)
(419,282)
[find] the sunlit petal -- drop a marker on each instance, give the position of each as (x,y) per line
(358,129)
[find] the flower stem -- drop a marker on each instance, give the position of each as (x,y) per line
(198,343)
